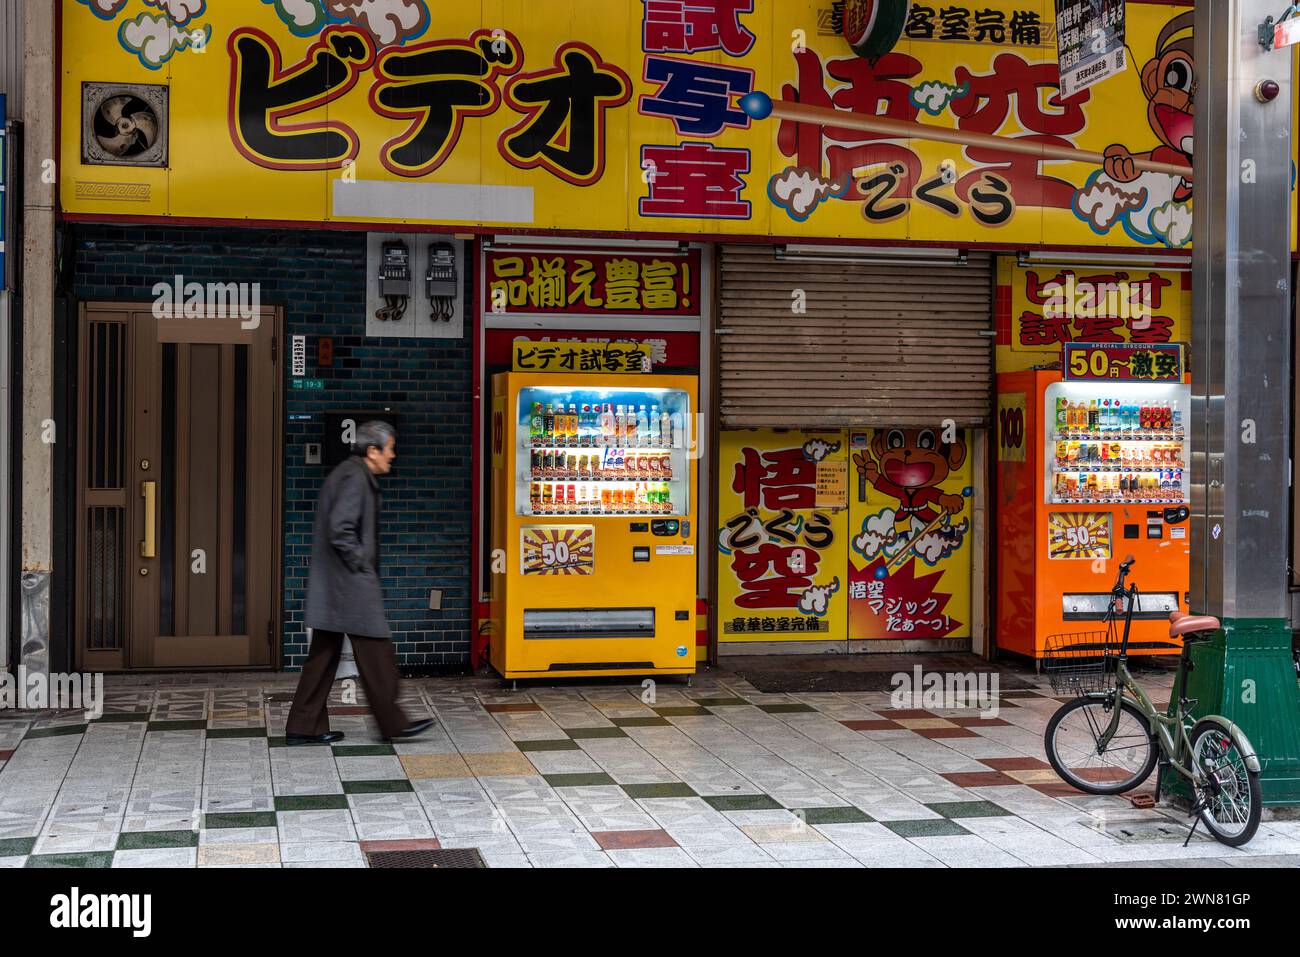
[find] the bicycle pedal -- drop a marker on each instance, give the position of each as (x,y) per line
(1143,801)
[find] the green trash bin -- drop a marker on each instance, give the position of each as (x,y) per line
(1246,673)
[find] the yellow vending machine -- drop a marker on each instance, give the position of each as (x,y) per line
(593,524)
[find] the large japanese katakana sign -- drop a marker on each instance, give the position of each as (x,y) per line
(624,116)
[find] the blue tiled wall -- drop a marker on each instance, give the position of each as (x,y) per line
(319,279)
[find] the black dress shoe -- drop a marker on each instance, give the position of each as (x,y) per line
(329,737)
(417,728)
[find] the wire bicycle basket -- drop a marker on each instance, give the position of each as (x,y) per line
(1081,662)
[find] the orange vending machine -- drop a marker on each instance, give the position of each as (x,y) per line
(1092,468)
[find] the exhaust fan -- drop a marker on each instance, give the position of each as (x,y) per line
(123,124)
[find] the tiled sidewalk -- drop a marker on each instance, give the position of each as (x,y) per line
(192,770)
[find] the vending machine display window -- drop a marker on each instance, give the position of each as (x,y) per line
(1110,443)
(601,451)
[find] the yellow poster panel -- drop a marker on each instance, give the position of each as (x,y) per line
(588,115)
(782,572)
(910,535)
(1051,305)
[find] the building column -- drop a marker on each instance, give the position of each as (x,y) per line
(40,152)
(1241,394)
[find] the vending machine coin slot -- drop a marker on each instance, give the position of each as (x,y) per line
(664,527)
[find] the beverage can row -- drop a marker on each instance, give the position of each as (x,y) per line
(611,464)
(547,498)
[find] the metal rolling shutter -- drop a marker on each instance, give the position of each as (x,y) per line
(879,345)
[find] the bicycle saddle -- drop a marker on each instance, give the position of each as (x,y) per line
(1189,624)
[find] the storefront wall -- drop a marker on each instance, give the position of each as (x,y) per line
(319,279)
(663,151)
(575,289)
(858,523)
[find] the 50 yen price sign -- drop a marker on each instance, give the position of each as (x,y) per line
(557,549)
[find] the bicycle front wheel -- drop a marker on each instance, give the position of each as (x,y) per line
(1230,799)
(1073,745)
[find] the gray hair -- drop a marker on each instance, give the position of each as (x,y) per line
(373,433)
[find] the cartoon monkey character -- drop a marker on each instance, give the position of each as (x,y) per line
(910,465)
(1169,84)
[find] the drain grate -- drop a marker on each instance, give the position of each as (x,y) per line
(1144,831)
(443,857)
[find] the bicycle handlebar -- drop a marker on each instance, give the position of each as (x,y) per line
(1124,566)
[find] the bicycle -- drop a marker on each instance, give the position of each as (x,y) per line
(1108,740)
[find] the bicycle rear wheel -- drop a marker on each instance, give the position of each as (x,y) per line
(1072,742)
(1232,800)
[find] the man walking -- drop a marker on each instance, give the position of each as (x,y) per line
(344,598)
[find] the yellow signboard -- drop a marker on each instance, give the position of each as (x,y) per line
(910,535)
(782,559)
(1041,308)
(596,357)
(587,115)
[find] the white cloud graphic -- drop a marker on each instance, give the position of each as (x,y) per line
(1174,222)
(799,191)
(817,449)
(933,547)
(155,38)
(933,96)
(877,534)
(816,598)
(1145,208)
(388,21)
(180,12)
(303,17)
(105,9)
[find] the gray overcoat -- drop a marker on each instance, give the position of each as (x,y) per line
(343,591)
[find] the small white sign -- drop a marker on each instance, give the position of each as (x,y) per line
(674,549)
(1287,33)
(1176,531)
(299,353)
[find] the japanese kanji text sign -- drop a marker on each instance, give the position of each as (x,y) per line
(1045,307)
(781,554)
(1142,363)
(566,283)
(1090,42)
(597,357)
(627,117)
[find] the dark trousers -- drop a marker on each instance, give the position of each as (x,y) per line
(377,664)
